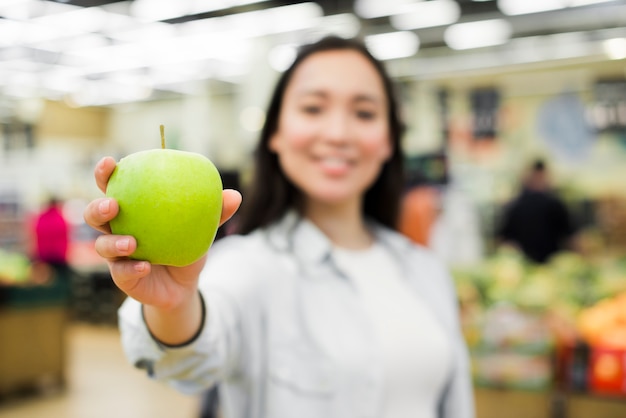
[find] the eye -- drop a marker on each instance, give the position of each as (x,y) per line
(311,109)
(365,114)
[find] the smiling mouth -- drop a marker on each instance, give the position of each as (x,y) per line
(335,165)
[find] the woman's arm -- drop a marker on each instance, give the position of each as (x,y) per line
(169,294)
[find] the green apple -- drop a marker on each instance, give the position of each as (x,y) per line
(170,201)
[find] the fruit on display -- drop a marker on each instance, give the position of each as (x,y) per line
(170,201)
(604,323)
(15,267)
(568,281)
(575,295)
(529,325)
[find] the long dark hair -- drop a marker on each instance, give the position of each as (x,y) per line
(270,194)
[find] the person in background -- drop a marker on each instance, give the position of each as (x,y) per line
(52,238)
(318,306)
(419,210)
(537,221)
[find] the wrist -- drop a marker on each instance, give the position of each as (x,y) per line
(178,305)
(176,326)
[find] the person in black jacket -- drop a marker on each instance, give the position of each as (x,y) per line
(537,221)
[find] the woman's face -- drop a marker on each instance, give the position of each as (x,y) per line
(333,132)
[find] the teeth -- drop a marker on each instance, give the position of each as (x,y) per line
(332,161)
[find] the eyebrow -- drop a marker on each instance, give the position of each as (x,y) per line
(358,98)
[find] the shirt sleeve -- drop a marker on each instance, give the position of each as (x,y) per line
(459,397)
(190,368)
(216,353)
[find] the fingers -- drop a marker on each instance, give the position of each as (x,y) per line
(113,247)
(99,212)
(127,273)
(103,171)
(231,199)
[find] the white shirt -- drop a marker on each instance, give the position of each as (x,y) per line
(286,334)
(415,350)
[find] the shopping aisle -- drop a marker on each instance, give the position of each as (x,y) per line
(101,384)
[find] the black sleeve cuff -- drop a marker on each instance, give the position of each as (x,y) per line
(189,341)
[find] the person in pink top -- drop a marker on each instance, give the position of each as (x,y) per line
(52,235)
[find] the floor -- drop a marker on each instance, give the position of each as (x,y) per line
(101,384)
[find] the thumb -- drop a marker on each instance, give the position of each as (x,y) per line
(231,200)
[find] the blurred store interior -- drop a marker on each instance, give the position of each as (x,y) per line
(487,87)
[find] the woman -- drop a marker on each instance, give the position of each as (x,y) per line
(319,308)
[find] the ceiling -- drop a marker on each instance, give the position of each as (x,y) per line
(113,51)
(592,14)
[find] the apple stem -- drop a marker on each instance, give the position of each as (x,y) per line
(162,128)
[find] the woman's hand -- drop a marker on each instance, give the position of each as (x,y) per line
(163,287)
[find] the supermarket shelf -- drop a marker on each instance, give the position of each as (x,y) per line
(492,403)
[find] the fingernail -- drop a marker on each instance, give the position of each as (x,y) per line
(140,267)
(122,244)
(105,206)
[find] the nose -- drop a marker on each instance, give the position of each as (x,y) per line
(337,128)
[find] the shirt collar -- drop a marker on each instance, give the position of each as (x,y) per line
(299,235)
(293,233)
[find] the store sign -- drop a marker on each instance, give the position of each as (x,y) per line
(608,111)
(17,135)
(562,125)
(485,105)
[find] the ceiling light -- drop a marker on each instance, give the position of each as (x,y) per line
(28,32)
(30,9)
(345,25)
(116,22)
(252,118)
(392,45)
(13,3)
(295,17)
(10,32)
(153,31)
(478,34)
(519,7)
(282,56)
(21,84)
(101,93)
(22,66)
(615,48)
(150,53)
(155,10)
(427,14)
(73,43)
(60,78)
(291,18)
(369,9)
(14,53)
(89,19)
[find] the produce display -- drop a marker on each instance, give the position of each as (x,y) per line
(604,323)
(518,316)
(15,267)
